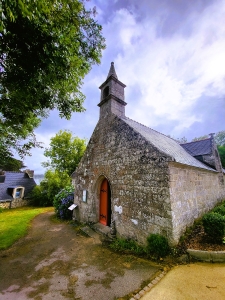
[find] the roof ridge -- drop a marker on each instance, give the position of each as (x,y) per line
(153,130)
(195,141)
(14,171)
(165,144)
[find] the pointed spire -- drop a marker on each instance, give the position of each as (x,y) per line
(112,71)
(112,95)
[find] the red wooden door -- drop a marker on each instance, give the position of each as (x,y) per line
(104,191)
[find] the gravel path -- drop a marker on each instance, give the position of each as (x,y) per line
(54,261)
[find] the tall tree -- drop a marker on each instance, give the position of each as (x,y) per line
(46,49)
(220,141)
(65,152)
(11,164)
(53,182)
(220,138)
(221,150)
(19,138)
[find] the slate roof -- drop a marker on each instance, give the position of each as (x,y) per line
(198,148)
(166,145)
(13,179)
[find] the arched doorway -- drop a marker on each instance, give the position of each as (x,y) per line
(105,203)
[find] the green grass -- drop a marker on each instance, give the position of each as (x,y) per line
(14,223)
(127,245)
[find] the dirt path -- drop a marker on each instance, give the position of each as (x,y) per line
(55,262)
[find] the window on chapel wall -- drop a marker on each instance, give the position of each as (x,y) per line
(105,92)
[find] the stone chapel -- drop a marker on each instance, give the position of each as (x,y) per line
(141,180)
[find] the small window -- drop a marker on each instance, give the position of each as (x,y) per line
(105,92)
(2,178)
(18,193)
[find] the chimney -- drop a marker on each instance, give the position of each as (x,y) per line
(30,173)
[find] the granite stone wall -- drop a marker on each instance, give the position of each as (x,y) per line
(138,177)
(149,193)
(5,204)
(20,202)
(14,203)
(193,192)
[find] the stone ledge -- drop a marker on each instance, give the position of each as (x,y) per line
(208,256)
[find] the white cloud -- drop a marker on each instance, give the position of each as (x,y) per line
(172,73)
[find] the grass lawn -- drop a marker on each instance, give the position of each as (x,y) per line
(14,223)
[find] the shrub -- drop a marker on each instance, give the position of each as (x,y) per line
(157,245)
(39,197)
(62,201)
(53,182)
(220,210)
(214,226)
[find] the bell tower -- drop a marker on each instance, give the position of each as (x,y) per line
(112,95)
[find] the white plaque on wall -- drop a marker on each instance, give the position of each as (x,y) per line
(84,195)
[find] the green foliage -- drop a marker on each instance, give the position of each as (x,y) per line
(127,245)
(214,226)
(11,164)
(12,138)
(45,58)
(221,150)
(39,197)
(62,201)
(65,152)
(157,245)
(46,49)
(53,182)
(11,9)
(220,210)
(220,138)
(14,224)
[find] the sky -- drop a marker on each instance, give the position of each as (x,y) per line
(171,56)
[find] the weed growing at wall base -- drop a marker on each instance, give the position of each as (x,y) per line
(157,246)
(127,245)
